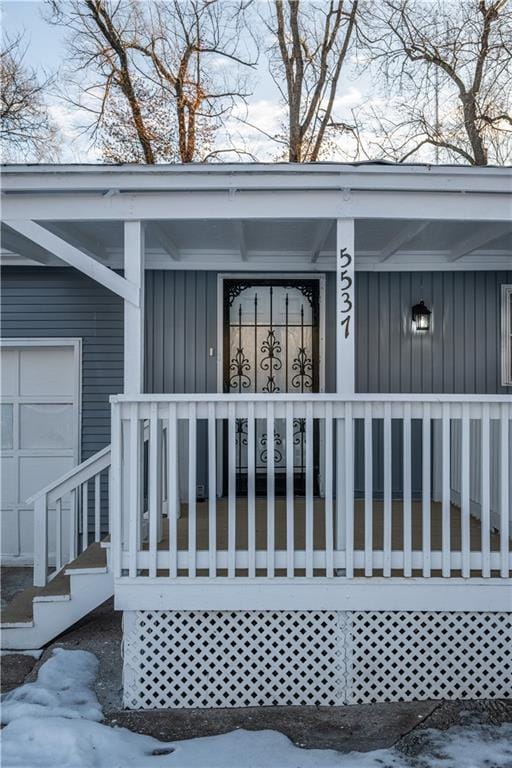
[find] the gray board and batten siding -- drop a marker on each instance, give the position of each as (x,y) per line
(461,355)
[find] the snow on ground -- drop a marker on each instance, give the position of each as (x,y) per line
(63,688)
(54,722)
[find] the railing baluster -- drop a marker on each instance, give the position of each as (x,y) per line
(339,527)
(270,490)
(85,515)
(73,545)
(134,485)
(97,507)
(387,491)
(407,502)
(251,482)
(212,492)
(485,526)
(349,490)
(154,488)
(368,490)
(41,541)
(425,486)
(290,502)
(504,490)
(445,493)
(192,490)
(231,490)
(58,535)
(464,496)
(309,490)
(329,512)
(173,498)
(115,491)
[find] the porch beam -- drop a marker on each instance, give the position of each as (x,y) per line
(77,259)
(484,235)
(242,241)
(345,307)
(322,235)
(405,235)
(166,241)
(134,314)
(250,205)
(320,594)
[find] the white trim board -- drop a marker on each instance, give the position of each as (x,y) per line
(506,335)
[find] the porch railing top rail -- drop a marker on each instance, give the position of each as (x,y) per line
(366,397)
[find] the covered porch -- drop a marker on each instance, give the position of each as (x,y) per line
(405,436)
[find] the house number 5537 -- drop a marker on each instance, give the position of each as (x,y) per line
(346,292)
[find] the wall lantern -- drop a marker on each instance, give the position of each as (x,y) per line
(421,317)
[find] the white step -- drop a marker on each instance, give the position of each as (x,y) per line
(72,595)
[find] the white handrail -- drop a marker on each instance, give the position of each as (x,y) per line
(80,469)
(76,483)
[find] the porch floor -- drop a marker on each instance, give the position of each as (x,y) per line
(397,535)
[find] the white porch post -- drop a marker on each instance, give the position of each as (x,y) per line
(345,305)
(133,359)
(345,372)
(134,313)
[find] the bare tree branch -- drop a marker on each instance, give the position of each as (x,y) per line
(311,42)
(27,129)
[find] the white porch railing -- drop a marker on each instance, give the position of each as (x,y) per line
(69,500)
(418,510)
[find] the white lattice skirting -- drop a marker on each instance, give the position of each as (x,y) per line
(262,658)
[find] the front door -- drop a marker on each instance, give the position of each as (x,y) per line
(271,345)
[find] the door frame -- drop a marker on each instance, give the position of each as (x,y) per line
(57,341)
(221,277)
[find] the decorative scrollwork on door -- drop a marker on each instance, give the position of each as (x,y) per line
(271,345)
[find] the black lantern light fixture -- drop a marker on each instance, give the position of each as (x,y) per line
(421,317)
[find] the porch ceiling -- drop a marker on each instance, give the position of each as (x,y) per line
(299,244)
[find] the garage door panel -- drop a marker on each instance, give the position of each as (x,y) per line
(9,529)
(46,426)
(7,426)
(47,371)
(9,484)
(26,524)
(9,372)
(38,471)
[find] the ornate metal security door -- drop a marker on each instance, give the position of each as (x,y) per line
(271,342)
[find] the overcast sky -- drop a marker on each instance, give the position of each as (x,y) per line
(46,51)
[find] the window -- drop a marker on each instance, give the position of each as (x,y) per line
(506,335)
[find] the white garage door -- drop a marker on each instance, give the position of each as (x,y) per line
(40,395)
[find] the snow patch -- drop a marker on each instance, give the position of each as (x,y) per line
(54,722)
(62,689)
